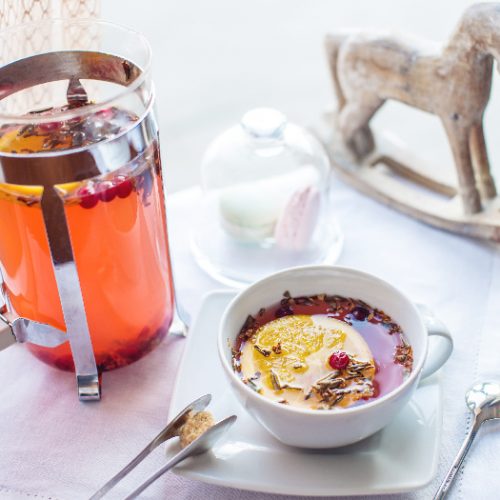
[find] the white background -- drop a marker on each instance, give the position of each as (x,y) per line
(215,59)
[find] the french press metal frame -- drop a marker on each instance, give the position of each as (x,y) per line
(59,167)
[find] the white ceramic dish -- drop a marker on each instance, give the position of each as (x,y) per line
(326,429)
(400,458)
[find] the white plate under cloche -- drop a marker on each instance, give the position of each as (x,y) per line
(400,458)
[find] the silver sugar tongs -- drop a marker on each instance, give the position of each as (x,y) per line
(200,445)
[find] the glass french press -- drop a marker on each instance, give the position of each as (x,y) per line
(83,242)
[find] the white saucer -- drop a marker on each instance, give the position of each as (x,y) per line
(402,457)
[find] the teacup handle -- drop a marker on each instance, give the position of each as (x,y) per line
(441,351)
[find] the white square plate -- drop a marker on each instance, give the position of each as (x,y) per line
(402,457)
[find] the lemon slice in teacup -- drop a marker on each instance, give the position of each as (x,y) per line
(287,358)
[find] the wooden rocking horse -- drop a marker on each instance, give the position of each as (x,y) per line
(453,84)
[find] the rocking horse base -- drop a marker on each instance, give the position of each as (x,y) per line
(393,175)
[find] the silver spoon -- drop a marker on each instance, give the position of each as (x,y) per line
(483,400)
(200,445)
(180,322)
(171,430)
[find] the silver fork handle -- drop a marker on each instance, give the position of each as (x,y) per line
(455,467)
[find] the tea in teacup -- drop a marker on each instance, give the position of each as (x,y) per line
(321,352)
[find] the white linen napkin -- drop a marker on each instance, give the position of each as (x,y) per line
(53,447)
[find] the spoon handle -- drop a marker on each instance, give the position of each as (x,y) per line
(448,480)
(179,457)
(200,445)
(123,472)
(171,430)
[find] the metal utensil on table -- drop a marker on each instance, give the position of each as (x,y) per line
(483,400)
(201,444)
(171,430)
(180,322)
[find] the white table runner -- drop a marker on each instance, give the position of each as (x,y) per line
(53,447)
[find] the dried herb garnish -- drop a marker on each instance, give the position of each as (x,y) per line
(304,301)
(275,380)
(277,348)
(27,201)
(285,310)
(248,325)
(338,399)
(252,384)
(292,387)
(394,328)
(26,131)
(333,387)
(74,132)
(262,350)
(403,355)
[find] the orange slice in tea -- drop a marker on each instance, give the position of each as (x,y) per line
(291,354)
(14,192)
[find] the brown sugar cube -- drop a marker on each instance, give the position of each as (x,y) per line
(195,426)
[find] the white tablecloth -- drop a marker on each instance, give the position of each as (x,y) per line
(53,447)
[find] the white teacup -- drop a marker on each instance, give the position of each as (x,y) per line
(331,428)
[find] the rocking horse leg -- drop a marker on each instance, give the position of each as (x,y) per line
(480,161)
(354,119)
(458,135)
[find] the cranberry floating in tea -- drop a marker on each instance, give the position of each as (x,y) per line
(266,201)
(83,242)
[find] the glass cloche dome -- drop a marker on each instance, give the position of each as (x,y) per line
(265,203)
